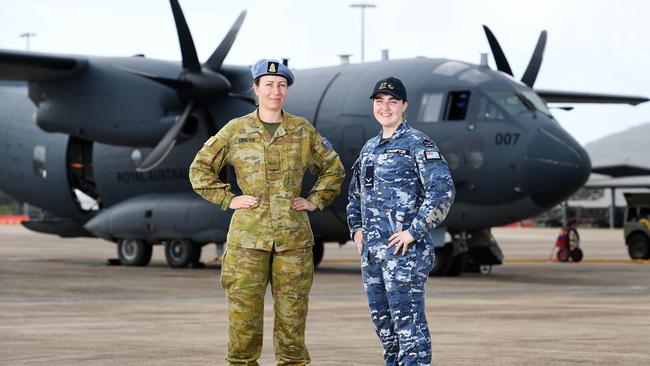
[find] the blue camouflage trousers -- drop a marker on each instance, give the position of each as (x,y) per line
(395,287)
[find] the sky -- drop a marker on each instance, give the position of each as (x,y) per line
(593,45)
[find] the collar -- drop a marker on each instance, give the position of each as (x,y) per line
(401,129)
(288,123)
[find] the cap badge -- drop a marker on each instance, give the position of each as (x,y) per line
(386,85)
(273,67)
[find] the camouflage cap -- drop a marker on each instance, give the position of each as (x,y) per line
(271,67)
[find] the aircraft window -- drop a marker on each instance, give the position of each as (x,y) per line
(510,101)
(487,110)
(457,104)
(536,101)
(39,161)
(430,107)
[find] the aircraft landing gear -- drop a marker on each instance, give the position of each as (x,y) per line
(319,250)
(442,262)
(182,253)
(134,252)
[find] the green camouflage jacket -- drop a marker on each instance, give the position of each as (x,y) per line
(270,168)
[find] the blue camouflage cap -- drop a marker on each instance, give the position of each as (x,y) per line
(271,67)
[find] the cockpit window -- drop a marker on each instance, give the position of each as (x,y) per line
(510,101)
(430,107)
(537,102)
(488,110)
(457,105)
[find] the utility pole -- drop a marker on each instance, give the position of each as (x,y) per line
(27,36)
(363,7)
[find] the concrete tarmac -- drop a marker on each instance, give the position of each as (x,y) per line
(61,305)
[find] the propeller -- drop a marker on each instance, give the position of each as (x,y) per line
(530,75)
(197,85)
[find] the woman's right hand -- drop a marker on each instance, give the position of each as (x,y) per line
(243,201)
(358,240)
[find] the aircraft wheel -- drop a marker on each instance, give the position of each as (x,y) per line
(485,269)
(134,252)
(319,250)
(638,246)
(576,254)
(442,262)
(181,253)
(458,264)
(563,255)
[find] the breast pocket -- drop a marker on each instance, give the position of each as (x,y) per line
(295,158)
(248,160)
(396,179)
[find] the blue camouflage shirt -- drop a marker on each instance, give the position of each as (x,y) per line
(399,183)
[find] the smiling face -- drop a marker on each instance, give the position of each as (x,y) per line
(388,111)
(271,92)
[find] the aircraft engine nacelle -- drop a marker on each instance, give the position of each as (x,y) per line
(157,217)
(104,103)
(55,117)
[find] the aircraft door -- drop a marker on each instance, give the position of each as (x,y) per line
(351,144)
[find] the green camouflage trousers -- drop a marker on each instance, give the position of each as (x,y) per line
(244,275)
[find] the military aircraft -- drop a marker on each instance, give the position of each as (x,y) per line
(103,144)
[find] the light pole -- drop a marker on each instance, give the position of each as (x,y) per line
(27,36)
(363,7)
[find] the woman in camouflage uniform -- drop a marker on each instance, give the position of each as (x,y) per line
(400,190)
(270,238)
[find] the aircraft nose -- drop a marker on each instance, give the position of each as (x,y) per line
(555,166)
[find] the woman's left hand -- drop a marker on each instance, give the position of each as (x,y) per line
(302,204)
(400,240)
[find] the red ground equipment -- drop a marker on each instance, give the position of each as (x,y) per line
(567,245)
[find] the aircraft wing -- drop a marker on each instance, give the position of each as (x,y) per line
(621,170)
(32,66)
(557,96)
(621,182)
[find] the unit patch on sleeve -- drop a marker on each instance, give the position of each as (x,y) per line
(396,151)
(428,143)
(432,155)
(326,143)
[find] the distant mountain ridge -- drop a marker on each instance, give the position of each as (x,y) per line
(631,146)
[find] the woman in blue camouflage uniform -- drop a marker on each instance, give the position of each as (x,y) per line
(400,190)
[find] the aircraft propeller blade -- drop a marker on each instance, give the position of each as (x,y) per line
(188,51)
(219,54)
(497,52)
(176,84)
(535,61)
(166,144)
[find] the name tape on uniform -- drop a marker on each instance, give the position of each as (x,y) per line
(396,151)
